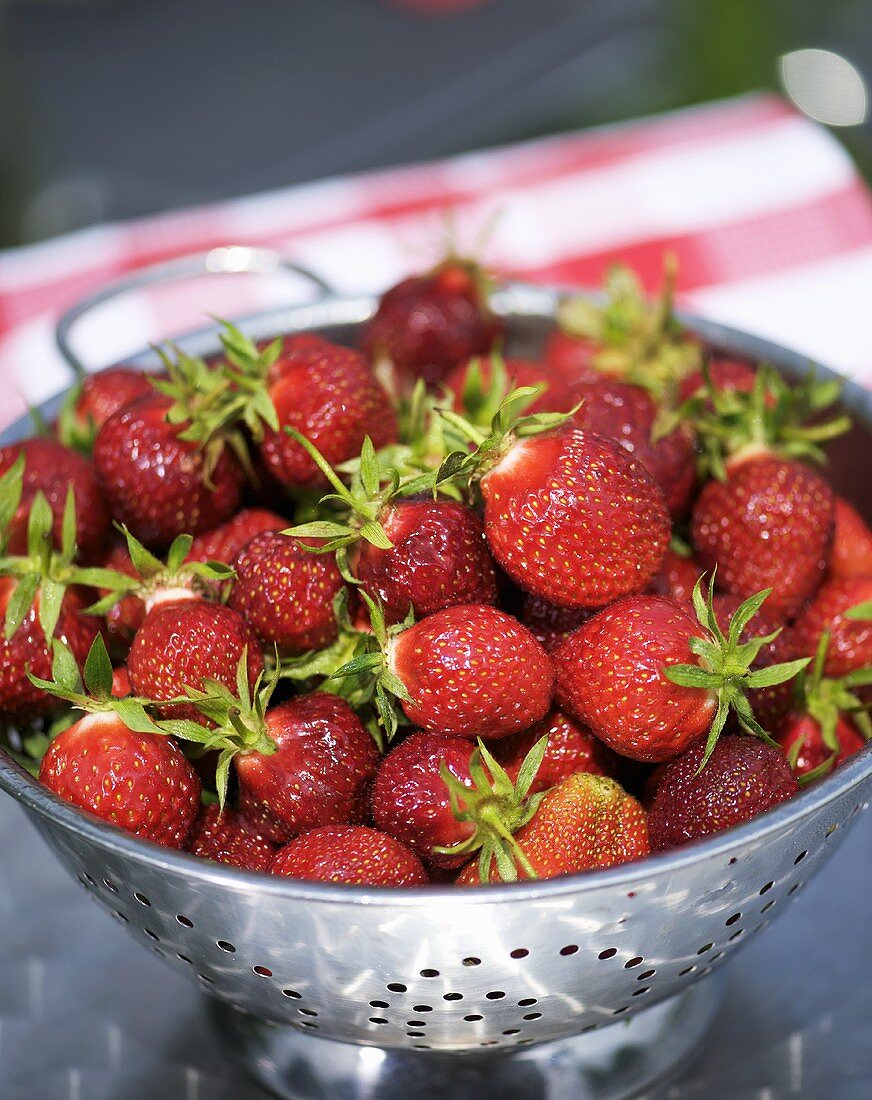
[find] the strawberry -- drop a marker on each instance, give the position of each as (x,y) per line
(571,748)
(678,576)
(629,415)
(832,611)
(810,751)
(626,338)
(851,553)
(286,592)
(115,762)
(52,469)
(315,769)
(410,800)
(743,778)
(226,541)
(585,823)
(726,375)
(438,558)
(183,642)
(427,324)
(329,395)
(94,400)
(349,853)
(120,682)
(769,523)
(549,624)
(470,671)
(125,616)
(571,517)
(650,678)
(224,836)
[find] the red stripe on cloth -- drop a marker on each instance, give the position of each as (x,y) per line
(832,225)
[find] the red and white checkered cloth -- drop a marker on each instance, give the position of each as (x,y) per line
(771,223)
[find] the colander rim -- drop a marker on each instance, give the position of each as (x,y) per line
(26,790)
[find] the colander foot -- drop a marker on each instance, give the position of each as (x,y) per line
(613,1063)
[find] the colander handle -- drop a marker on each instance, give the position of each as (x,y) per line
(226,260)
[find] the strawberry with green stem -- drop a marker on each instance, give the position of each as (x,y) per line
(650,678)
(89,404)
(114,762)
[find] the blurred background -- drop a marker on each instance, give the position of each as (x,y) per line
(116,108)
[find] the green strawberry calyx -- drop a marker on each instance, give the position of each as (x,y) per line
(826,699)
(237,719)
(725,665)
(637,340)
(774,417)
(497,808)
(43,574)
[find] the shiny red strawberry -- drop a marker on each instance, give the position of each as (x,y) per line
(634,676)
(95,400)
(571,517)
(585,823)
(286,592)
(571,748)
(438,558)
(802,740)
(329,395)
(125,617)
(224,836)
(678,576)
(628,414)
(549,624)
(227,540)
(51,469)
(744,777)
(317,774)
(850,646)
(427,324)
(183,642)
(410,800)
(851,554)
(140,782)
(770,523)
(349,853)
(471,671)
(157,483)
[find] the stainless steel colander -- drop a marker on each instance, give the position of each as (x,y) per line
(356,992)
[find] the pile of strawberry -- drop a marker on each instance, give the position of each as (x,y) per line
(415,612)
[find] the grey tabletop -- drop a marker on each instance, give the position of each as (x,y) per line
(87,1014)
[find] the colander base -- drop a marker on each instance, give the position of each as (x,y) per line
(614,1063)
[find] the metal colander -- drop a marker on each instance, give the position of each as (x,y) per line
(487,973)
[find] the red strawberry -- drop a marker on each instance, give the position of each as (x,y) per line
(549,624)
(427,324)
(140,782)
(471,671)
(26,651)
(157,483)
(633,675)
(286,592)
(472,383)
(227,540)
(744,777)
(330,395)
(571,748)
(628,414)
(99,396)
(801,739)
(850,645)
(318,774)
(677,576)
(439,558)
(350,853)
(572,357)
(851,554)
(224,836)
(50,469)
(410,800)
(121,682)
(183,642)
(769,524)
(585,823)
(726,375)
(125,617)
(573,518)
